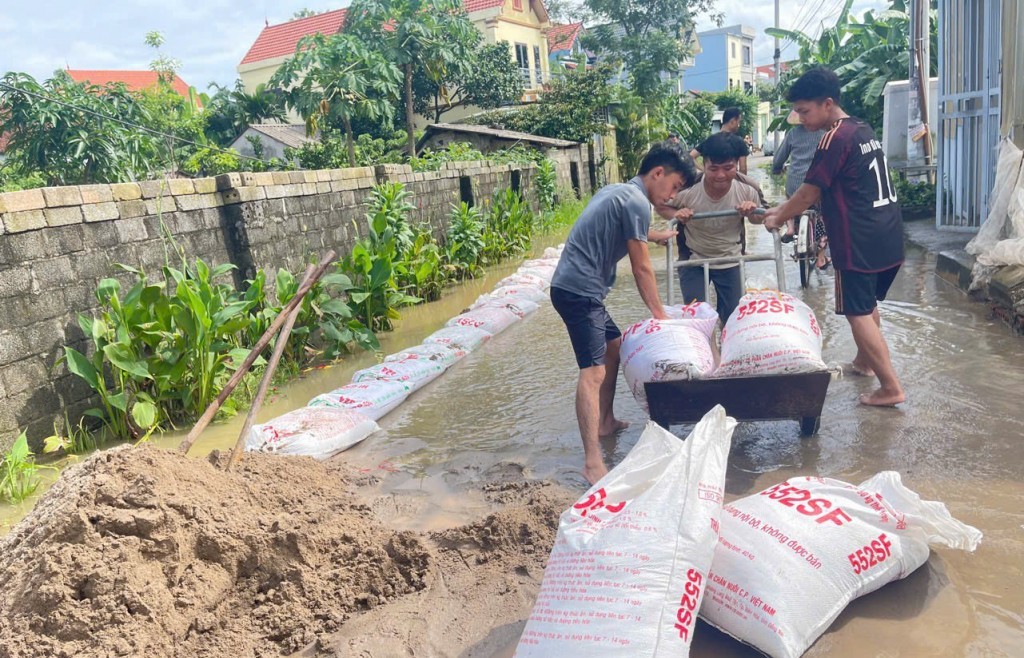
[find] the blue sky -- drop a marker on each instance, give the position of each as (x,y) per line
(210,37)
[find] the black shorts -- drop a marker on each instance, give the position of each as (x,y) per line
(857,293)
(589,325)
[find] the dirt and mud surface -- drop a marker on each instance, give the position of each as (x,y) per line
(144,552)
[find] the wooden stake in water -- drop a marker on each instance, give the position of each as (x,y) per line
(268,375)
(264,340)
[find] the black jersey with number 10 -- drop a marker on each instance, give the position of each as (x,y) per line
(858,198)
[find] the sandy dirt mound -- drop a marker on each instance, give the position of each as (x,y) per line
(143,552)
(479,595)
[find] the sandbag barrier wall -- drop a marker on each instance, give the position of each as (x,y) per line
(57,243)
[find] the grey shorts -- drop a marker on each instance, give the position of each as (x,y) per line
(589,325)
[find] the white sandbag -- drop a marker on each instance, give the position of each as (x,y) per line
(446,355)
(528,293)
(665,351)
(492,319)
(630,562)
(543,272)
(413,372)
(317,432)
(372,398)
(553,252)
(520,279)
(770,333)
(463,338)
(790,558)
(521,307)
(540,262)
(704,314)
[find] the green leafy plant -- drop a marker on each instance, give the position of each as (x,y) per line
(18,472)
(422,271)
(544,181)
(914,195)
(72,439)
(509,227)
(464,243)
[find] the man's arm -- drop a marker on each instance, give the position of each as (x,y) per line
(695,154)
(806,196)
(743,165)
(643,273)
(780,157)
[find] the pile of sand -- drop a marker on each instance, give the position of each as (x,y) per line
(139,551)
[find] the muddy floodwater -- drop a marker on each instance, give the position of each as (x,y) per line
(508,409)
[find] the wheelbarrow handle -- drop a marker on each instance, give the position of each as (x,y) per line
(712,214)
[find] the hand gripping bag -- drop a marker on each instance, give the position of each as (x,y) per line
(446,355)
(413,372)
(791,557)
(463,338)
(318,432)
(373,398)
(630,562)
(492,319)
(770,333)
(664,351)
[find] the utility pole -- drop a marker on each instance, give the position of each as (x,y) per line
(778,76)
(919,140)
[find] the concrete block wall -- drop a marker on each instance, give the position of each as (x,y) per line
(57,243)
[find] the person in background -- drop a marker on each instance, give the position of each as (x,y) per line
(798,146)
(616,222)
(732,117)
(850,175)
(719,189)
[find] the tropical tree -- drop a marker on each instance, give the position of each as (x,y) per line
(426,35)
(57,130)
(490,79)
(230,111)
(644,36)
(865,54)
(332,79)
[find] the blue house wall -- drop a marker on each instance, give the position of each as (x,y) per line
(710,70)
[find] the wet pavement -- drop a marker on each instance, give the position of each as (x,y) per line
(508,409)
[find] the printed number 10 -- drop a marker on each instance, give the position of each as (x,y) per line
(886,190)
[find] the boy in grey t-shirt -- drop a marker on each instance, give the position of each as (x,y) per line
(616,223)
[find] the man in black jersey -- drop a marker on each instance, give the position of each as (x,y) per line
(850,175)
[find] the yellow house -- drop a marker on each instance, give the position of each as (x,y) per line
(521,23)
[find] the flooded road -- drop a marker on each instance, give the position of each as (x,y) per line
(508,409)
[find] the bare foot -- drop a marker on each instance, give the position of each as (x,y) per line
(882,398)
(595,472)
(613,427)
(861,371)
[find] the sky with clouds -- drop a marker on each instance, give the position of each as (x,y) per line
(210,37)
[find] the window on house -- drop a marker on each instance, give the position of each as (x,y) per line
(517,5)
(746,55)
(523,61)
(747,87)
(536,65)
(733,50)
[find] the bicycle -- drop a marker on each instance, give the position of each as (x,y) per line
(810,245)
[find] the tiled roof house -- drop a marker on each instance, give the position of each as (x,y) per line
(522,23)
(133,80)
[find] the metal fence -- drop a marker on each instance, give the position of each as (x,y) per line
(969,99)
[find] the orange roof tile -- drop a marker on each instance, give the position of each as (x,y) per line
(281,40)
(134,80)
(562,37)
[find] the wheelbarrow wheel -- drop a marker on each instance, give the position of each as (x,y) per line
(809,425)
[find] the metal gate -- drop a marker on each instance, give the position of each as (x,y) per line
(969,88)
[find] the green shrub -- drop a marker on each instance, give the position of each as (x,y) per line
(464,243)
(18,472)
(508,228)
(544,182)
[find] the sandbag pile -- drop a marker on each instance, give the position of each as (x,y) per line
(651,544)
(770,333)
(338,419)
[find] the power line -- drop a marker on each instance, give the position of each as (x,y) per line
(129,124)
